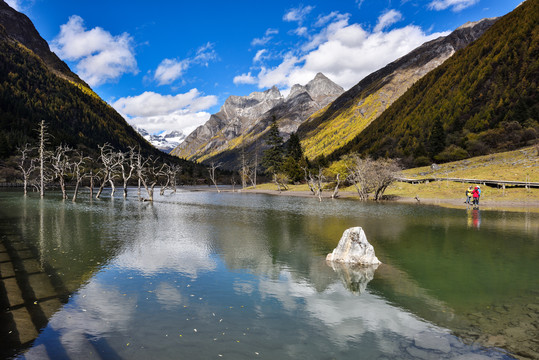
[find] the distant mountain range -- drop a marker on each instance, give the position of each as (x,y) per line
(166,141)
(244,120)
(324,116)
(466,94)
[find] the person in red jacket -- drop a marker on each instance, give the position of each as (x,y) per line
(475,195)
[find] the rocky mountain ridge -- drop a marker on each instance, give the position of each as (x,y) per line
(244,119)
(165,141)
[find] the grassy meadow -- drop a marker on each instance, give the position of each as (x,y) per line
(517,165)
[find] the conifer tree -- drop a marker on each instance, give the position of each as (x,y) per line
(294,160)
(273,156)
(437,138)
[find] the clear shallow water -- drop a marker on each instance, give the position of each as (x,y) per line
(206,275)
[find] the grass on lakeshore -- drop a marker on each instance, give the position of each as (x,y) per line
(518,165)
(455,190)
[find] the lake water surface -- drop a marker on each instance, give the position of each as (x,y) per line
(204,275)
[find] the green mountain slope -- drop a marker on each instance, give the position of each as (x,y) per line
(483,99)
(20,28)
(75,115)
(353,111)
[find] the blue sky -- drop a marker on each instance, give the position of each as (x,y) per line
(168,65)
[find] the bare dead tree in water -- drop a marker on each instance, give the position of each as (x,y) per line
(315,182)
(244,171)
(233,180)
(27,164)
(336,189)
(92,176)
(175,171)
(149,175)
(171,173)
(139,163)
(309,179)
(43,154)
(127,165)
(110,162)
(60,166)
(211,169)
(77,165)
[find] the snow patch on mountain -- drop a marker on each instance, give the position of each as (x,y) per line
(164,140)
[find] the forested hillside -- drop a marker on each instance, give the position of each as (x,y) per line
(337,124)
(75,115)
(481,100)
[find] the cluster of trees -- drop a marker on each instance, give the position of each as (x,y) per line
(287,164)
(41,167)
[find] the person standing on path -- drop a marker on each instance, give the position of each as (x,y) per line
(468,195)
(475,195)
(478,193)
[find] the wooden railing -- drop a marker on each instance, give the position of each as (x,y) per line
(487,182)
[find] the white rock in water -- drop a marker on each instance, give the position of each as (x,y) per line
(354,248)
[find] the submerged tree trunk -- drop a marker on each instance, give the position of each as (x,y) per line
(211,170)
(336,190)
(26,164)
(42,140)
(113,188)
(91,183)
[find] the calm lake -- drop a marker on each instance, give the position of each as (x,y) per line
(203,275)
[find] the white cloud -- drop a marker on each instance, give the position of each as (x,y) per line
(279,75)
(323,36)
(101,56)
(271,31)
(265,39)
(204,54)
(260,55)
(455,5)
(156,112)
(301,31)
(387,19)
(245,79)
(15,4)
(324,19)
(344,52)
(297,14)
(169,70)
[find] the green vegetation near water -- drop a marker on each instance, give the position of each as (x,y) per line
(518,165)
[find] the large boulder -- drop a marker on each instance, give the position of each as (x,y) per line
(354,248)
